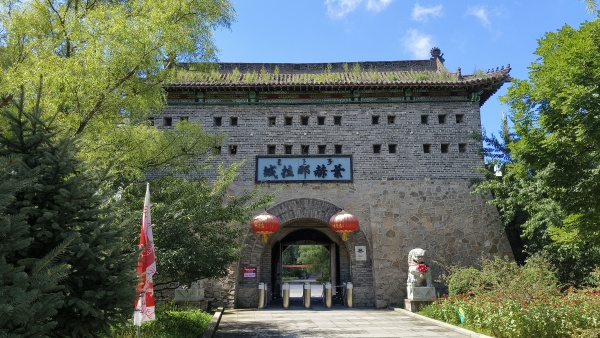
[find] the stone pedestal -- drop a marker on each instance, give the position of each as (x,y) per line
(194,294)
(415,305)
(418,297)
(426,293)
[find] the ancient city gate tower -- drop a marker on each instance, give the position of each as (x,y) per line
(389,142)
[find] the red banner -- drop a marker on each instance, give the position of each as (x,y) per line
(144,308)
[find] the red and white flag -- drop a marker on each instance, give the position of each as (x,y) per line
(144,308)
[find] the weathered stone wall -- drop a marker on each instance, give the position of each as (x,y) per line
(403,200)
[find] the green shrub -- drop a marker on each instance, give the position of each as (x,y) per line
(171,322)
(504,299)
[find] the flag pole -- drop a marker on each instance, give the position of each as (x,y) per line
(144,307)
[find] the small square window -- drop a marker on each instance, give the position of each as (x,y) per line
(442,119)
(217,150)
(377,148)
(460,118)
(233,149)
(218,121)
(322,149)
(304,149)
(444,148)
(151,120)
(288,149)
(288,120)
(375,119)
(338,148)
(462,148)
(391,119)
(424,119)
(233,121)
(168,121)
(321,120)
(272,121)
(427,148)
(271,149)
(184,118)
(337,120)
(304,120)
(392,148)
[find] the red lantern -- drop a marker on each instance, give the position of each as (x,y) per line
(265,224)
(343,223)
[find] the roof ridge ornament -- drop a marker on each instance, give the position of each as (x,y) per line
(436,53)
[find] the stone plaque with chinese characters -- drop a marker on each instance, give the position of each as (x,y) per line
(281,169)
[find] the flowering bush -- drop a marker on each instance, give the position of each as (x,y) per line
(528,304)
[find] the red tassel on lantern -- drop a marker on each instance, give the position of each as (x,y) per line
(265,224)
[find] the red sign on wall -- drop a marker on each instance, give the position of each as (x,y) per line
(249,271)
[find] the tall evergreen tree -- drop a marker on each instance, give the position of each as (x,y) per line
(64,206)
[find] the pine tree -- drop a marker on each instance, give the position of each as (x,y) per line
(63,208)
(29,294)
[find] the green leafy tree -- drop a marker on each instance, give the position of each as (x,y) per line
(196,225)
(64,229)
(104,64)
(552,175)
(316,257)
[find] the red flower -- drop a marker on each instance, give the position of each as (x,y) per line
(422,268)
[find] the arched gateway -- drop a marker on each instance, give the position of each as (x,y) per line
(303,221)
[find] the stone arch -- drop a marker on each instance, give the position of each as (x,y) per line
(297,214)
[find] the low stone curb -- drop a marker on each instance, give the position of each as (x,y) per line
(214,324)
(442,324)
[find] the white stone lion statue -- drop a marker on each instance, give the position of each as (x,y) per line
(418,270)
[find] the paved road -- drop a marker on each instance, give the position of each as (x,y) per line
(336,322)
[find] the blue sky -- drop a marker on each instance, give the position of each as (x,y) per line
(471,34)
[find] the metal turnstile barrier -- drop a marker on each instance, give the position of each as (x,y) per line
(348,294)
(286,295)
(327,295)
(262,295)
(306,295)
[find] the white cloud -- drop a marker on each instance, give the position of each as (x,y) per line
(481,14)
(422,14)
(378,5)
(418,44)
(339,8)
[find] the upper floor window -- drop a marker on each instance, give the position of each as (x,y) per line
(287,149)
(322,149)
(375,119)
(424,119)
(337,120)
(217,121)
(391,119)
(460,118)
(272,120)
(377,148)
(233,149)
(321,120)
(442,119)
(338,149)
(444,148)
(271,149)
(392,148)
(288,120)
(233,121)
(168,121)
(304,149)
(304,120)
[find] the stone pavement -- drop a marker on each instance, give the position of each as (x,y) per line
(337,321)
